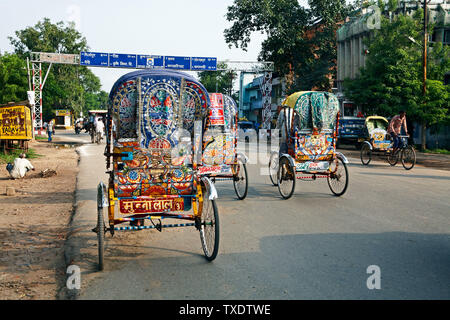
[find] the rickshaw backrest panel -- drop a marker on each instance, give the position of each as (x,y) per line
(219,137)
(316,109)
(153,114)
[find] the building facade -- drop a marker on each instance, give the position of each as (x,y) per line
(352,52)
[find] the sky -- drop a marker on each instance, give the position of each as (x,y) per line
(155,27)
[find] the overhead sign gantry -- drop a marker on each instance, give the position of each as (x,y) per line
(143,61)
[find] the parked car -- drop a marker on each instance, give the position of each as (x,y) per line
(246,130)
(351,131)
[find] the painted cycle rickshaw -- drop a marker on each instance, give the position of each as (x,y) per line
(379,143)
(154,127)
(221,161)
(309,122)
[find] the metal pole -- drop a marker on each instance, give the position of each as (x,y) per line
(425,49)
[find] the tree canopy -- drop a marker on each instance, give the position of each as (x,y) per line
(13,79)
(300,41)
(392,79)
(67,86)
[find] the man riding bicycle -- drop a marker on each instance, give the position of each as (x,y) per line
(395,129)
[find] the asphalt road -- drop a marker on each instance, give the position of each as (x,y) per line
(313,246)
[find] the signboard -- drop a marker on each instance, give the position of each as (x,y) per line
(62,113)
(203,64)
(94,59)
(150,62)
(141,61)
(15,123)
(119,60)
(216,116)
(179,63)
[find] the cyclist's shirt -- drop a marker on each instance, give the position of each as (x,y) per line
(396,125)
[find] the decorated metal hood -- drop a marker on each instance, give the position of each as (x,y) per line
(316,109)
(151,103)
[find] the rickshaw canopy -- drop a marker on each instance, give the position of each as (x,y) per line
(154,104)
(316,109)
(376,122)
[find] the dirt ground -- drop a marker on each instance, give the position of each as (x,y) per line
(33,224)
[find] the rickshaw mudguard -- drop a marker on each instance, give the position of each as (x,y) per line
(369,144)
(102,198)
(291,160)
(210,187)
(242,157)
(342,157)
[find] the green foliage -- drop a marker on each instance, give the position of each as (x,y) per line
(13,154)
(67,86)
(393,77)
(13,79)
(218,81)
(300,41)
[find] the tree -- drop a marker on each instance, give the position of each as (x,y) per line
(13,79)
(218,81)
(301,42)
(67,86)
(392,78)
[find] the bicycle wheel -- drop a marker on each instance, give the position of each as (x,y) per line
(240,180)
(92,137)
(338,178)
(286,178)
(100,237)
(392,158)
(273,168)
(366,154)
(408,157)
(209,228)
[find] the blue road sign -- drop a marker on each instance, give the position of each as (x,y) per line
(133,61)
(203,64)
(94,59)
(179,63)
(118,60)
(149,62)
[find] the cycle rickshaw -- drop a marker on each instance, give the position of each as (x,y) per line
(379,143)
(154,127)
(221,161)
(310,121)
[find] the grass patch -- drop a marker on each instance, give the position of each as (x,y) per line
(11,155)
(41,138)
(439,151)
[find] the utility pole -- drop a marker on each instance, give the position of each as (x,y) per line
(425,49)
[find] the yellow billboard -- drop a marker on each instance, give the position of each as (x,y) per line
(15,122)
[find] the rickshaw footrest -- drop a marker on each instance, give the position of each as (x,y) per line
(134,228)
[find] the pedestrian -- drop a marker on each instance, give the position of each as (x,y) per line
(395,129)
(50,130)
(99,127)
(20,167)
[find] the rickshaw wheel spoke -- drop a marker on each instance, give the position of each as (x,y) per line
(366,154)
(273,168)
(240,180)
(209,228)
(286,178)
(338,178)
(408,158)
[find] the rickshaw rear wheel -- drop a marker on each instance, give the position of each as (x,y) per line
(273,168)
(100,237)
(392,158)
(209,227)
(408,158)
(240,180)
(366,154)
(338,178)
(286,178)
